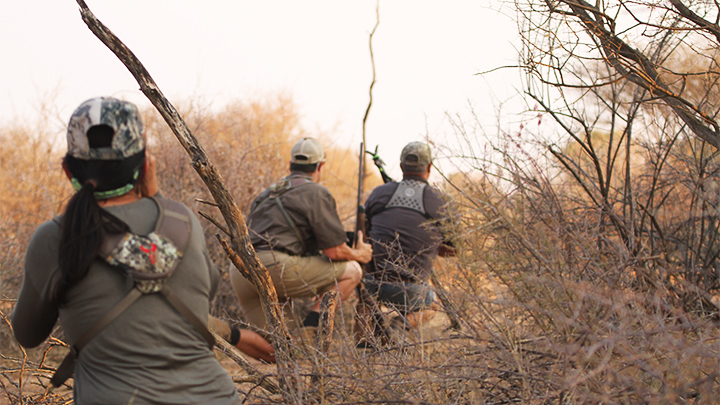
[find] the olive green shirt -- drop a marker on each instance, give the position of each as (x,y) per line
(313,211)
(150,353)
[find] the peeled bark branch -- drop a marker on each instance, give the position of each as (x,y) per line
(327,321)
(323,339)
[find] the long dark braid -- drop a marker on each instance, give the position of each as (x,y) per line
(84,225)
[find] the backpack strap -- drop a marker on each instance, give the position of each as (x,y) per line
(67,367)
(290,222)
(174,224)
(180,306)
(279,188)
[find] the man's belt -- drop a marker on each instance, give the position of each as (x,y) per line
(266,248)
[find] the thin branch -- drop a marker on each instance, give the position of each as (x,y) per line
(372,62)
(214,222)
(211,203)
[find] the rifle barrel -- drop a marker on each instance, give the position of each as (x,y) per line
(360,215)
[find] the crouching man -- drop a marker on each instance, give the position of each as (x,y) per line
(297,234)
(403,222)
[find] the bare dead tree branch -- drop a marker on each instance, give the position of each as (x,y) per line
(210,203)
(327,321)
(324,338)
(255,375)
(684,11)
(639,69)
(372,63)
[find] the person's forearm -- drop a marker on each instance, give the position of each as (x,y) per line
(362,253)
(343,252)
(32,318)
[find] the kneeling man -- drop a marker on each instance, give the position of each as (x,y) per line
(297,234)
(404,222)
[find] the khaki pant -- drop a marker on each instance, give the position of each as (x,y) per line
(293,277)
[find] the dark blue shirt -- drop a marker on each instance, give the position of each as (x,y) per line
(405,242)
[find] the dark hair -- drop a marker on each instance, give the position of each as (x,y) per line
(413,169)
(302,167)
(84,224)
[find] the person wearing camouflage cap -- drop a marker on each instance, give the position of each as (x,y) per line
(297,234)
(148,353)
(404,222)
(416,157)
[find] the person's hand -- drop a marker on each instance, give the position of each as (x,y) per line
(148,185)
(364,250)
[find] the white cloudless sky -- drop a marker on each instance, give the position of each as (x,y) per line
(427,54)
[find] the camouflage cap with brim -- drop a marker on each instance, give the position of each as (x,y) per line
(415,156)
(122,116)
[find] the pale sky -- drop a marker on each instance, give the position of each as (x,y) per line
(427,54)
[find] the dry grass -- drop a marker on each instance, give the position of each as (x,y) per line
(550,316)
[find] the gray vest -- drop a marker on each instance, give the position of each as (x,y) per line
(409,194)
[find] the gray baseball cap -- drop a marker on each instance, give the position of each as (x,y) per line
(307,151)
(122,116)
(415,157)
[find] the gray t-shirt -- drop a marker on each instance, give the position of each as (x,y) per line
(150,353)
(313,211)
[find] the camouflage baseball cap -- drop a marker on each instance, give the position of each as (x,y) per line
(123,117)
(415,156)
(307,151)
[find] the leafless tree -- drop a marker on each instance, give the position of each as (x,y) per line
(637,42)
(632,91)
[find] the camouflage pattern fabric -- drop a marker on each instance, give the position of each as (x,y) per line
(148,260)
(415,156)
(122,116)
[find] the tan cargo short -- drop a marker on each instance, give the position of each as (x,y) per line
(293,277)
